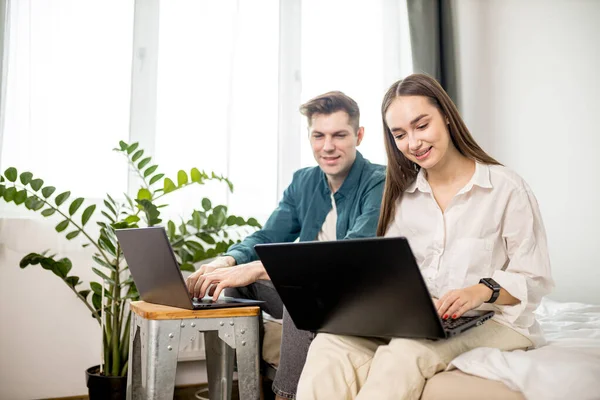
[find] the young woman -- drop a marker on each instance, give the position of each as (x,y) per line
(478,237)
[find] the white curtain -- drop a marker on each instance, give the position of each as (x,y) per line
(67,93)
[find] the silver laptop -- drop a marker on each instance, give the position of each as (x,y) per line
(156,273)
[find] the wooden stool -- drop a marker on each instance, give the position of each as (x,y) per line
(159,332)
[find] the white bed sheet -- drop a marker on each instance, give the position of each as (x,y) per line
(567,367)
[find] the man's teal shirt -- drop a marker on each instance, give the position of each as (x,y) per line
(307,201)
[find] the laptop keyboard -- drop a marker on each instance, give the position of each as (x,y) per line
(455,323)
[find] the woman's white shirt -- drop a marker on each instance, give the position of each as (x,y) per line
(491,228)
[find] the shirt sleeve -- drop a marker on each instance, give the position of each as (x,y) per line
(282,226)
(527,275)
(365,225)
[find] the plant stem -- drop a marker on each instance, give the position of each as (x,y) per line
(94,312)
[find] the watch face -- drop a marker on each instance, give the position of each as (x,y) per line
(492,282)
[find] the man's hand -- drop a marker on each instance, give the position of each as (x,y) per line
(219,262)
(456,302)
(240,275)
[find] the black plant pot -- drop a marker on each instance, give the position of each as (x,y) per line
(102,387)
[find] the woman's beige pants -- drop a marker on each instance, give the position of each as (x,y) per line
(348,367)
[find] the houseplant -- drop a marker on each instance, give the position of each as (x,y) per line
(208,232)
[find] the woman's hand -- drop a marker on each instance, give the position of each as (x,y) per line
(456,302)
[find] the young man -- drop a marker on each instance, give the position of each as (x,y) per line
(339,199)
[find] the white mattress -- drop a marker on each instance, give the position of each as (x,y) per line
(568,367)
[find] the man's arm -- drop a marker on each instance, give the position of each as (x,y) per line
(282,226)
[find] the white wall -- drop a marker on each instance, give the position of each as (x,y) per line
(47,336)
(530,81)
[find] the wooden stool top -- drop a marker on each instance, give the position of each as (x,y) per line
(157,311)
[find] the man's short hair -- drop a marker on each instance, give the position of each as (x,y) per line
(329,103)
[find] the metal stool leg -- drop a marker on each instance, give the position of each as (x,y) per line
(134,369)
(247,347)
(159,358)
(219,361)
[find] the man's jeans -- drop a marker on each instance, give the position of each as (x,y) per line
(294,342)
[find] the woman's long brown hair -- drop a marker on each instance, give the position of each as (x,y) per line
(401,172)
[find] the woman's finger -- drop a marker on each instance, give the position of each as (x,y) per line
(465,307)
(458,304)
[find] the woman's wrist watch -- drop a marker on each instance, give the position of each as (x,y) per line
(492,284)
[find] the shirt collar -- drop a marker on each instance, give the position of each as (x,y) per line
(420,183)
(480,178)
(349,184)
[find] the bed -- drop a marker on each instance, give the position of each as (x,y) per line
(567,367)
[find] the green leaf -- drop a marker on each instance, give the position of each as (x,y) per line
(75,205)
(144,162)
(197,220)
(171,227)
(196,175)
(111,219)
(36,184)
(73,234)
(195,246)
(11,174)
(144,193)
(103,275)
(20,197)
(103,263)
(87,213)
(48,212)
(113,202)
(38,205)
(187,267)
(206,204)
(150,170)
(253,222)
(110,207)
(62,226)
(137,155)
(132,147)
(61,198)
(132,219)
(206,237)
(199,255)
(72,281)
(84,293)
(182,178)
(156,178)
(26,177)
(62,267)
(240,221)
(96,288)
(123,145)
(231,220)
(169,186)
(9,194)
(47,191)
(220,216)
(97,301)
(31,202)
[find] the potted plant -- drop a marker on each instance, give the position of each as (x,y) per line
(208,232)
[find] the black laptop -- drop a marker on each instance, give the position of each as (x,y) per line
(361,287)
(156,273)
